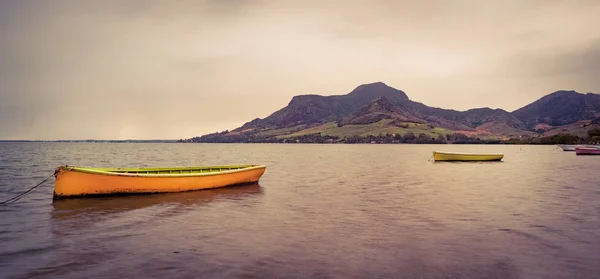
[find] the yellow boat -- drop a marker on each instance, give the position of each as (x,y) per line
(79,181)
(452,156)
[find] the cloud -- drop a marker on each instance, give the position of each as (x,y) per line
(582,60)
(150,69)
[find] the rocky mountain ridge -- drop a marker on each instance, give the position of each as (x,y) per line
(378,108)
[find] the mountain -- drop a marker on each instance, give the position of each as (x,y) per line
(311,109)
(315,109)
(376,108)
(560,108)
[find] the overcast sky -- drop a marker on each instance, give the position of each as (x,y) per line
(175,69)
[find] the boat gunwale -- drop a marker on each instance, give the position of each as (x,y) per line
(587,148)
(112,171)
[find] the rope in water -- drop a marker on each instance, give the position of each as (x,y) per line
(19,196)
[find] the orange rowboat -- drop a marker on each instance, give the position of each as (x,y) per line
(79,181)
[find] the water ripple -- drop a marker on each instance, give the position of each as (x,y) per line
(320,211)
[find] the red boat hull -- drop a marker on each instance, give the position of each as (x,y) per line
(587,151)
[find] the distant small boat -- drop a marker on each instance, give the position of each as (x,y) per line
(587,151)
(567,147)
(452,156)
(80,181)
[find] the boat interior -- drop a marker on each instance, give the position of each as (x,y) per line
(182,170)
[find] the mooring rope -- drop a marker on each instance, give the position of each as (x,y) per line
(19,196)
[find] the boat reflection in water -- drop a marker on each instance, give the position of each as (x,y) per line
(80,207)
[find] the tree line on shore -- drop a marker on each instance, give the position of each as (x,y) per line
(409,137)
(593,137)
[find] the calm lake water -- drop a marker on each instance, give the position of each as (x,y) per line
(319,211)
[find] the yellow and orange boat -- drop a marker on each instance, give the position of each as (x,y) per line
(80,181)
(453,156)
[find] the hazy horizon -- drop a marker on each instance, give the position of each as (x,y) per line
(169,70)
